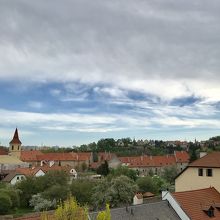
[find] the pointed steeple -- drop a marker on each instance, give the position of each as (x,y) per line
(15,139)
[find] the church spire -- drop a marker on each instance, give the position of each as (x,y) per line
(15,139)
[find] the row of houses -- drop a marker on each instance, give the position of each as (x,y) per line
(144,164)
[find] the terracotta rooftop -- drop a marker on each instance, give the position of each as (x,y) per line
(181,156)
(30,155)
(36,155)
(32,171)
(210,160)
(149,161)
(15,139)
(195,203)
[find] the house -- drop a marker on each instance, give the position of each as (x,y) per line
(202,173)
(42,170)
(150,211)
(138,199)
(13,177)
(201,204)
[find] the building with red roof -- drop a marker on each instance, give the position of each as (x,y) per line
(37,158)
(202,173)
(201,204)
(145,164)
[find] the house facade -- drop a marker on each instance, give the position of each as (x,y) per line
(202,173)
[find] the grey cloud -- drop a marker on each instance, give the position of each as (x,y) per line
(94,40)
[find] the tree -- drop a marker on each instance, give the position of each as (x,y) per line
(103,169)
(104,215)
(5,203)
(27,188)
(169,174)
(13,195)
(82,190)
(123,170)
(118,191)
(68,210)
(57,192)
(146,184)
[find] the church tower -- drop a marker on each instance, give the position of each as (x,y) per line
(15,145)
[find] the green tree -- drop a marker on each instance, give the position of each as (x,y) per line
(103,169)
(57,192)
(146,184)
(123,170)
(5,203)
(13,195)
(169,174)
(27,188)
(118,191)
(82,190)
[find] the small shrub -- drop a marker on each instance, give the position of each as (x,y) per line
(5,203)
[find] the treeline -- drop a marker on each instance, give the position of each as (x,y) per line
(123,147)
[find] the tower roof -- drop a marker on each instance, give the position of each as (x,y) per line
(15,139)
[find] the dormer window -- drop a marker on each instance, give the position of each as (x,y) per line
(209,210)
(210,213)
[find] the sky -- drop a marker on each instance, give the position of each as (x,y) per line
(75,71)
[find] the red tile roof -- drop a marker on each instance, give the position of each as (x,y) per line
(30,155)
(181,156)
(193,203)
(64,156)
(36,155)
(3,152)
(15,139)
(32,171)
(210,160)
(149,161)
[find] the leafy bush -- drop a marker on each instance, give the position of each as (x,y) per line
(13,195)
(5,203)
(57,192)
(41,204)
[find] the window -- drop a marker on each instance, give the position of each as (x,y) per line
(18,147)
(17,177)
(209,172)
(200,172)
(210,213)
(12,147)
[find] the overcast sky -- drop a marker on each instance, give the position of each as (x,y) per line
(74,71)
